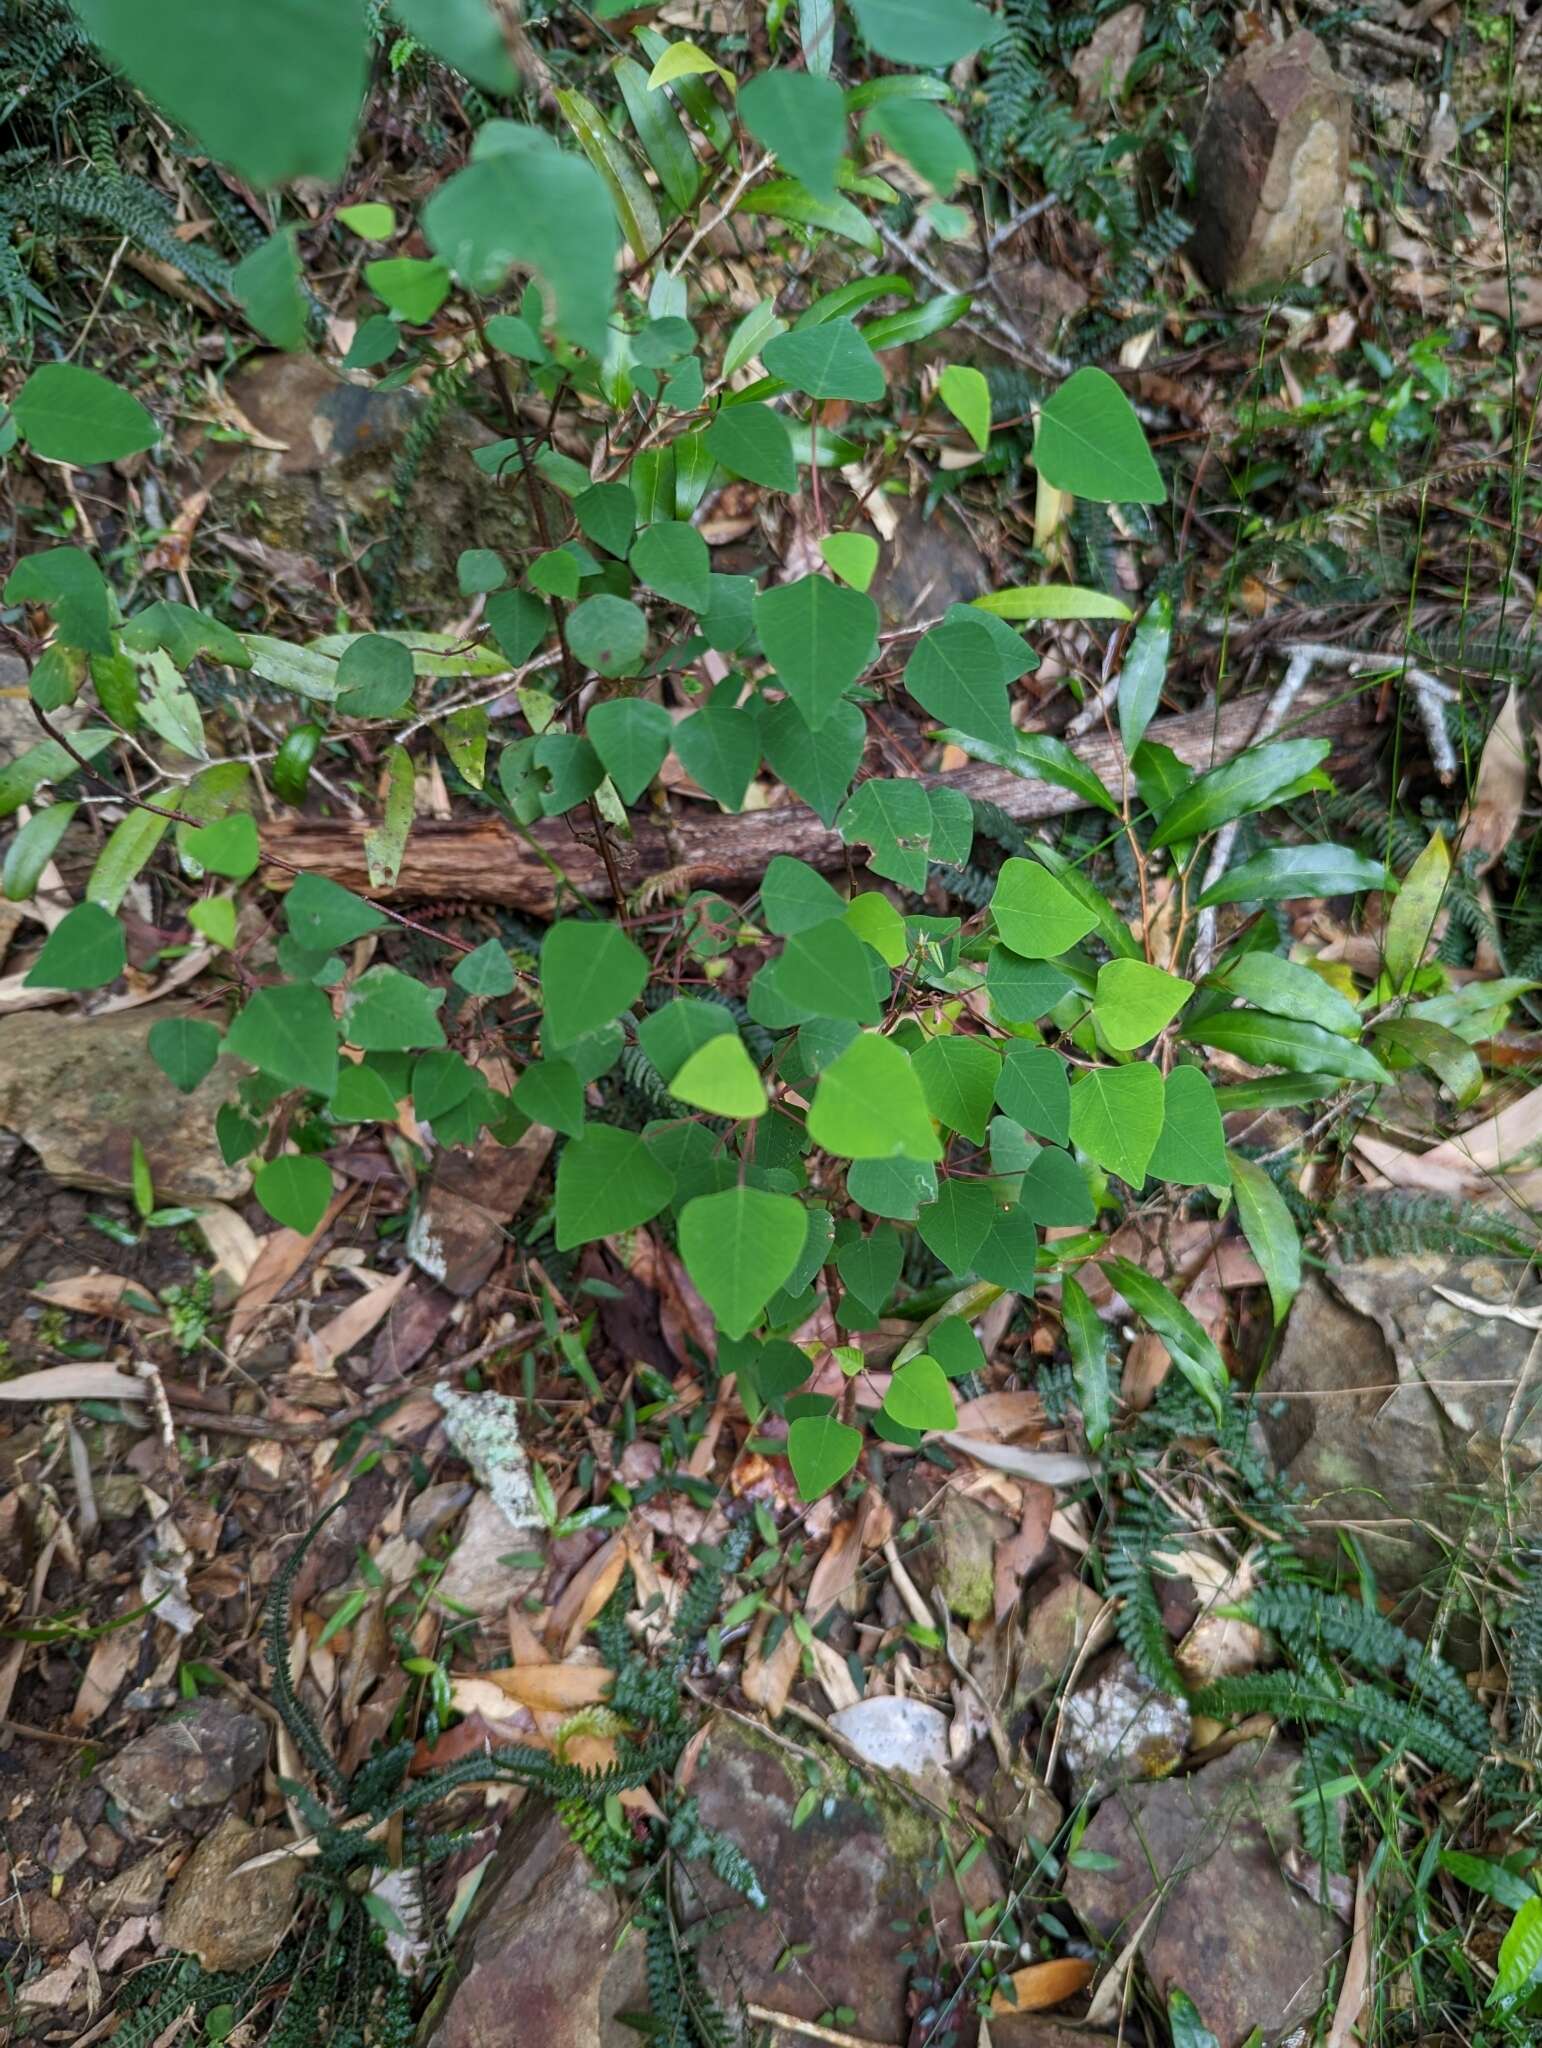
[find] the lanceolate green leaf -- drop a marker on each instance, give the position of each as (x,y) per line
(1087,1341)
(1246,784)
(629,193)
(1288,871)
(32,849)
(1414,913)
(1193,1349)
(1285,1042)
(1144,672)
(1270,1230)
(1453,1062)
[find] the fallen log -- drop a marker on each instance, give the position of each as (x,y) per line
(483,858)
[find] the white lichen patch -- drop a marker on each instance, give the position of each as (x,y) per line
(484,1428)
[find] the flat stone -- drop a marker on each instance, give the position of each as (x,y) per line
(1062,1626)
(833,1887)
(536,1962)
(79,1090)
(474,1579)
(1119,1728)
(1271,166)
(1250,1948)
(232,1922)
(1399,1406)
(194,1759)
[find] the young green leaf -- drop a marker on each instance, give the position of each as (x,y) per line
(851,556)
(1413,915)
(1134,1002)
(295,1191)
(1269,1229)
(821,1452)
(1116,1118)
(1289,871)
(1088,443)
(1052,601)
(869,1104)
(919,1396)
(85,949)
(738,1247)
(607,1181)
(963,389)
(1036,916)
(721,1078)
(590,973)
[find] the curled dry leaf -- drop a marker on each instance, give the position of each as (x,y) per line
(1500,792)
(1043,1985)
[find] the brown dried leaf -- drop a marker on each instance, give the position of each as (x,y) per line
(1042,1985)
(552,1688)
(1500,793)
(282,1255)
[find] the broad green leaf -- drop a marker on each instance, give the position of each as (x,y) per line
(938,151)
(1022,991)
(1255,778)
(1285,1042)
(32,849)
(1088,443)
(801,118)
(1134,1002)
(1269,1229)
(388,1011)
(1450,1059)
(70,583)
(894,820)
(468,36)
(1033,1089)
(892,1187)
(1008,1255)
(1413,915)
(931,33)
(1289,871)
(722,1079)
(818,636)
(1191,1152)
(794,897)
(631,736)
(1520,1955)
(288,1033)
(275,105)
(752,441)
(485,972)
(267,284)
(738,1247)
(607,515)
(878,924)
(719,748)
(919,1396)
(590,973)
(1191,1345)
(958,1077)
(870,1266)
(956,1224)
(954,672)
(478,571)
(962,389)
(816,766)
(550,1092)
(790,200)
(851,556)
(522,200)
(413,287)
(1116,1118)
(824,969)
(227,847)
(375,340)
(361,1096)
(1052,601)
(323,915)
(628,188)
(608,634)
(185,1049)
(828,361)
(68,414)
(1144,672)
(1087,1341)
(1287,989)
(869,1104)
(185,634)
(607,1181)
(1055,1191)
(1036,916)
(385,843)
(85,949)
(671,1035)
(821,1452)
(295,1191)
(129,846)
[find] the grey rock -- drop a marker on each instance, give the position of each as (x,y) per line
(1399,1407)
(535,1963)
(1119,1728)
(1250,1948)
(232,1922)
(190,1761)
(79,1090)
(474,1578)
(1271,166)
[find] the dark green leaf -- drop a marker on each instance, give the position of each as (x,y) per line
(1033,1090)
(267,284)
(1144,672)
(1289,871)
(1246,784)
(828,361)
(295,1191)
(958,1077)
(752,441)
(84,950)
(720,748)
(819,637)
(738,1247)
(817,766)
(955,674)
(67,414)
(801,118)
(1088,442)
(607,1181)
(288,1032)
(1191,1345)
(590,973)
(1268,1227)
(1285,1042)
(1191,1151)
(609,634)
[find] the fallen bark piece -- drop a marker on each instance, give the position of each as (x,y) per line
(482,858)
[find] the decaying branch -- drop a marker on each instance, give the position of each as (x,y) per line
(485,859)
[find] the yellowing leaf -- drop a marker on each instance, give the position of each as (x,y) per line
(687,60)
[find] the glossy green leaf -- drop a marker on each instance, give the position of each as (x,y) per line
(801,118)
(1037,917)
(1116,1117)
(1450,1059)
(1290,871)
(819,637)
(1287,989)
(1088,443)
(828,361)
(1087,1341)
(630,193)
(1255,778)
(1266,1041)
(32,849)
(590,973)
(295,1191)
(962,389)
(738,1247)
(1145,671)
(1269,1229)
(821,1452)
(1191,1151)
(1193,1349)
(1520,1955)
(274,106)
(869,1104)
(937,150)
(129,846)
(288,1033)
(664,140)
(85,949)
(1134,1002)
